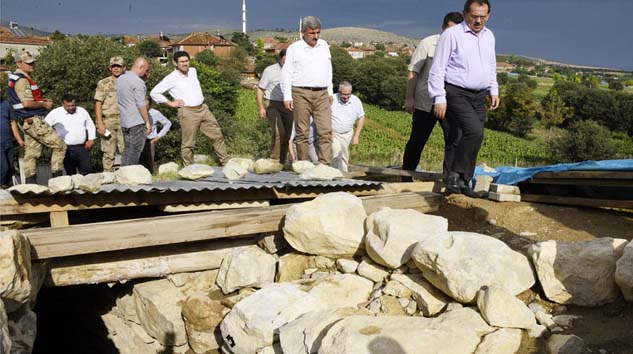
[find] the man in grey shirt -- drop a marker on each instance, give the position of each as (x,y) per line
(135,122)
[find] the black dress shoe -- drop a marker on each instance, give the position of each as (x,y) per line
(467,191)
(452,184)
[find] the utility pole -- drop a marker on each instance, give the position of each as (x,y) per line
(244,16)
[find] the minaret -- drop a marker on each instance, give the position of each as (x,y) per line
(244,16)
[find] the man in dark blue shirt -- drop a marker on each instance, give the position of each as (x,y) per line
(8,131)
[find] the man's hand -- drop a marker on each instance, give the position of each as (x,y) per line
(289,105)
(439,110)
(88,144)
(21,142)
(331,100)
(101,129)
(153,141)
(176,103)
(355,140)
(409,105)
(148,128)
(494,102)
(48,104)
(262,112)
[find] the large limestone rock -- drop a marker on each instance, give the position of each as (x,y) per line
(330,225)
(5,339)
(23,330)
(202,317)
(158,307)
(429,299)
(15,269)
(133,175)
(321,173)
(566,344)
(292,266)
(251,324)
(500,309)
(60,184)
(91,182)
(246,163)
(28,188)
(196,171)
(108,177)
(393,233)
(580,273)
(168,168)
(501,341)
(126,338)
(460,263)
(304,334)
(234,170)
(302,166)
(455,332)
(246,267)
(624,272)
(265,166)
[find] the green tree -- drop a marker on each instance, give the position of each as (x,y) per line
(553,109)
(262,61)
(207,57)
(149,48)
(591,81)
(346,44)
(616,85)
(343,66)
(243,41)
(57,36)
(281,39)
(583,140)
(380,46)
(516,114)
(502,78)
(528,81)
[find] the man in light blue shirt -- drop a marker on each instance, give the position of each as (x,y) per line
(462,75)
(346,110)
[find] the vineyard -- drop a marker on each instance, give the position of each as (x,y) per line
(386,133)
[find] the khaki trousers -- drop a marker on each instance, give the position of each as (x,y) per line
(200,118)
(340,149)
(280,119)
(37,133)
(316,104)
(110,145)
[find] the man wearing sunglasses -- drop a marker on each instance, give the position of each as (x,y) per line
(107,114)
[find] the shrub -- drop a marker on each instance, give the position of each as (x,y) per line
(516,114)
(583,140)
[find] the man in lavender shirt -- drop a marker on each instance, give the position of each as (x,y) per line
(462,75)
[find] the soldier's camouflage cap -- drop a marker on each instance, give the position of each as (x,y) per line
(24,57)
(117,61)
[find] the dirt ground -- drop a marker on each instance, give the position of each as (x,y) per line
(607,329)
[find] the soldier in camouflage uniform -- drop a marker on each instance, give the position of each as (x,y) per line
(107,113)
(30,108)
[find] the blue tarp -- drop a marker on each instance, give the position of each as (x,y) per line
(514,175)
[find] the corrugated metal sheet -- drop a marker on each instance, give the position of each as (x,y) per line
(217,182)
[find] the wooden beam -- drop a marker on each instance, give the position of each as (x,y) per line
(425,176)
(587,174)
(59,218)
(152,262)
(589,202)
(404,187)
(582,182)
(128,234)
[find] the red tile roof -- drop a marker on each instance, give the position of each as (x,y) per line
(204,38)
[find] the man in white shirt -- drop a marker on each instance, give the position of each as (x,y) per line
(279,117)
(184,88)
(75,127)
(306,83)
(346,110)
(155,117)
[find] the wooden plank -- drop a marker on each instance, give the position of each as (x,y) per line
(587,174)
(404,187)
(583,182)
(140,263)
(59,218)
(425,176)
(589,202)
(120,235)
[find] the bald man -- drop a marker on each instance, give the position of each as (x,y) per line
(135,123)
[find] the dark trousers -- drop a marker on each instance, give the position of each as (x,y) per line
(134,139)
(466,114)
(422,124)
(77,160)
(147,156)
(7,156)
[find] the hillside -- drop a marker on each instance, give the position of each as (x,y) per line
(347,34)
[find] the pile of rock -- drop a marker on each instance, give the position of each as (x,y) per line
(337,280)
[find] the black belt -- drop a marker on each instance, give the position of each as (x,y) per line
(76,145)
(310,88)
(465,89)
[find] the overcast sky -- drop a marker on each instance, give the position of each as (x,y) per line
(581,32)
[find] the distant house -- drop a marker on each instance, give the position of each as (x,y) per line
(392,51)
(503,67)
(13,39)
(197,42)
(356,53)
(165,44)
(130,41)
(370,50)
(270,44)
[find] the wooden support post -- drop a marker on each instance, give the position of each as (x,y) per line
(59,218)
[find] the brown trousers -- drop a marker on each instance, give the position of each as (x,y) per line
(280,119)
(200,118)
(316,104)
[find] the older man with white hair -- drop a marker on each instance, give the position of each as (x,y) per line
(346,110)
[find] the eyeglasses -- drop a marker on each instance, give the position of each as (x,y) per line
(480,18)
(116,66)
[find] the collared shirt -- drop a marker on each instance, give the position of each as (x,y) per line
(464,59)
(270,82)
(344,115)
(155,117)
(130,91)
(306,66)
(72,127)
(420,64)
(180,87)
